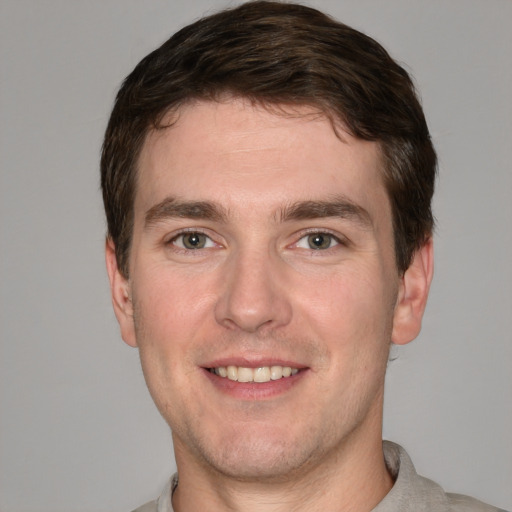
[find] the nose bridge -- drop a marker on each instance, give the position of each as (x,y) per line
(252,295)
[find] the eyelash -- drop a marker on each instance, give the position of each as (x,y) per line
(321,232)
(210,242)
(172,241)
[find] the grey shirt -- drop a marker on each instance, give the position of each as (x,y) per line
(410,492)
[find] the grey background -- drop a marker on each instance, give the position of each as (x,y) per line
(78,431)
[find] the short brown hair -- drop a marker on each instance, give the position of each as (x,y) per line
(277,54)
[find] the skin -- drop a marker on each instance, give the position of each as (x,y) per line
(257,294)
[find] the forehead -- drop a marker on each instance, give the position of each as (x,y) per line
(239,153)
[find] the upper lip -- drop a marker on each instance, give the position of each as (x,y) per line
(253,362)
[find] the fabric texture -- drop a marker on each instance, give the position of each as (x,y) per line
(410,492)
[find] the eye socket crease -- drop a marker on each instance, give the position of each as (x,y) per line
(192,241)
(318,241)
(339,207)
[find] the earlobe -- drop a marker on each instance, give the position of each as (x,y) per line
(412,295)
(120,293)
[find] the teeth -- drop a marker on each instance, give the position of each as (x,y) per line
(232,372)
(245,374)
(276,372)
(262,374)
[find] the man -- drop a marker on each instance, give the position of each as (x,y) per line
(267,176)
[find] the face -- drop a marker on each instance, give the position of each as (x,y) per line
(263,292)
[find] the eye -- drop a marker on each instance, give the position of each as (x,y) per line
(318,241)
(192,240)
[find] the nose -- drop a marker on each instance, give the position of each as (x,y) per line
(253,296)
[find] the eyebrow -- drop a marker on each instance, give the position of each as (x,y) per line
(339,207)
(171,207)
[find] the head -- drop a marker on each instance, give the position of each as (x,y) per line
(267,175)
(277,54)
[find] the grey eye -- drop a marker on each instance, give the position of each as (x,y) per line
(318,241)
(192,241)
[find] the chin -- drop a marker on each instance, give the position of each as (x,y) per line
(248,466)
(258,457)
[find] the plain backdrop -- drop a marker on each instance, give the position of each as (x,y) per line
(78,430)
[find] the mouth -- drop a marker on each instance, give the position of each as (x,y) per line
(261,374)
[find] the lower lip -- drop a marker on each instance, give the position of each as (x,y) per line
(254,390)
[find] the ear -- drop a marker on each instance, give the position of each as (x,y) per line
(412,295)
(121,296)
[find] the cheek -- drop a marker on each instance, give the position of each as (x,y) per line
(171,317)
(169,304)
(349,304)
(162,341)
(354,325)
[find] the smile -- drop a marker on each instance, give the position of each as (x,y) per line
(261,374)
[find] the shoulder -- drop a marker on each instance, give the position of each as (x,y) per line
(414,493)
(152,506)
(164,502)
(461,503)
